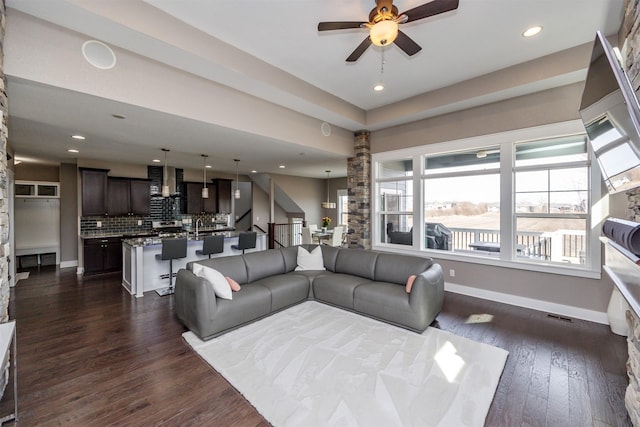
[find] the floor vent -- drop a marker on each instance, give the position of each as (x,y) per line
(555,316)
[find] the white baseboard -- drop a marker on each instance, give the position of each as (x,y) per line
(544,306)
(67,264)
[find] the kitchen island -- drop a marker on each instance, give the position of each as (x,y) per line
(142,272)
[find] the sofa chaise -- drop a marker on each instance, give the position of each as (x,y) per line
(370,283)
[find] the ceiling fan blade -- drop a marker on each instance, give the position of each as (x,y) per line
(344,25)
(405,43)
(432,8)
(359,50)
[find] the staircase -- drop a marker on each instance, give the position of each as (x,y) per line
(282,199)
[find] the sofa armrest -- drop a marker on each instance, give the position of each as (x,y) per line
(428,288)
(195,301)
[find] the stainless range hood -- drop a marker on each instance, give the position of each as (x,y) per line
(171,182)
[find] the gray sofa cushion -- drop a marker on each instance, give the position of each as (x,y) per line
(388,302)
(252,302)
(232,266)
(263,264)
(357,263)
(329,256)
(286,289)
(290,256)
(395,268)
(336,288)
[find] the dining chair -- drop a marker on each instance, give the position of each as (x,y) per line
(336,238)
(307,239)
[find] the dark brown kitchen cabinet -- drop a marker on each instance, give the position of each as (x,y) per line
(224,195)
(118,196)
(128,196)
(195,204)
(94,191)
(102,255)
(140,197)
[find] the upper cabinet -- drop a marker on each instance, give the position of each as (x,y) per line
(105,195)
(140,197)
(94,191)
(128,196)
(194,203)
(224,195)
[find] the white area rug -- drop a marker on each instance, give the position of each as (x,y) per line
(315,365)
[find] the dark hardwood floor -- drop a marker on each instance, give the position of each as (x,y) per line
(90,354)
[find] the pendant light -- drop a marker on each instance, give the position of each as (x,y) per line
(205,190)
(328,204)
(165,185)
(236,193)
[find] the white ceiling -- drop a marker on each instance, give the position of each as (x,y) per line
(293,66)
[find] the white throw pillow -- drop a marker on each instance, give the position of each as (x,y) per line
(310,261)
(218,282)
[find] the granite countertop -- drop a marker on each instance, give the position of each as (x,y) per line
(148,233)
(150,241)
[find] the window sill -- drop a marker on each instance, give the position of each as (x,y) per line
(493,261)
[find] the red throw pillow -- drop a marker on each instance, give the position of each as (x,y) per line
(409,284)
(233,284)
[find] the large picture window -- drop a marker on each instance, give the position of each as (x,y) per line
(462,199)
(552,199)
(525,201)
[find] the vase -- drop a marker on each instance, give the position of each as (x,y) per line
(324,229)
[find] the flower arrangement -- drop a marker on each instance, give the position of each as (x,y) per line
(326,221)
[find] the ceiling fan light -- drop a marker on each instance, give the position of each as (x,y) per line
(384,32)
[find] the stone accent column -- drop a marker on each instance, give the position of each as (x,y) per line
(631,35)
(5,247)
(359,191)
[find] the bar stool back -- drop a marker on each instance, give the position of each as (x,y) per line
(212,245)
(172,248)
(246,240)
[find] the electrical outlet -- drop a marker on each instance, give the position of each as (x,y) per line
(139,222)
(452,273)
(99,224)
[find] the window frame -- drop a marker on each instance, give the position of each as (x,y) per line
(507,142)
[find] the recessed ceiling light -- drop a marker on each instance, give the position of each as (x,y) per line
(72,150)
(80,137)
(282,166)
(532,31)
(156,160)
(118,116)
(254,171)
(208,166)
(378,87)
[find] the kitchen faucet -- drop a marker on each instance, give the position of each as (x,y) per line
(201,223)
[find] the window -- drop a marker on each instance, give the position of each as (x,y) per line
(516,199)
(343,207)
(395,201)
(552,200)
(462,200)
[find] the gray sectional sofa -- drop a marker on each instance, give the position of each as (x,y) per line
(366,282)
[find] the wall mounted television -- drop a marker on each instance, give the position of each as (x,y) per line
(611,116)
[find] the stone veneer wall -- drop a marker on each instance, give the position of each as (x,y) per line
(631,36)
(359,191)
(5,246)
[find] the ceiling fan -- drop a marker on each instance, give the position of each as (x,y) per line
(383,25)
